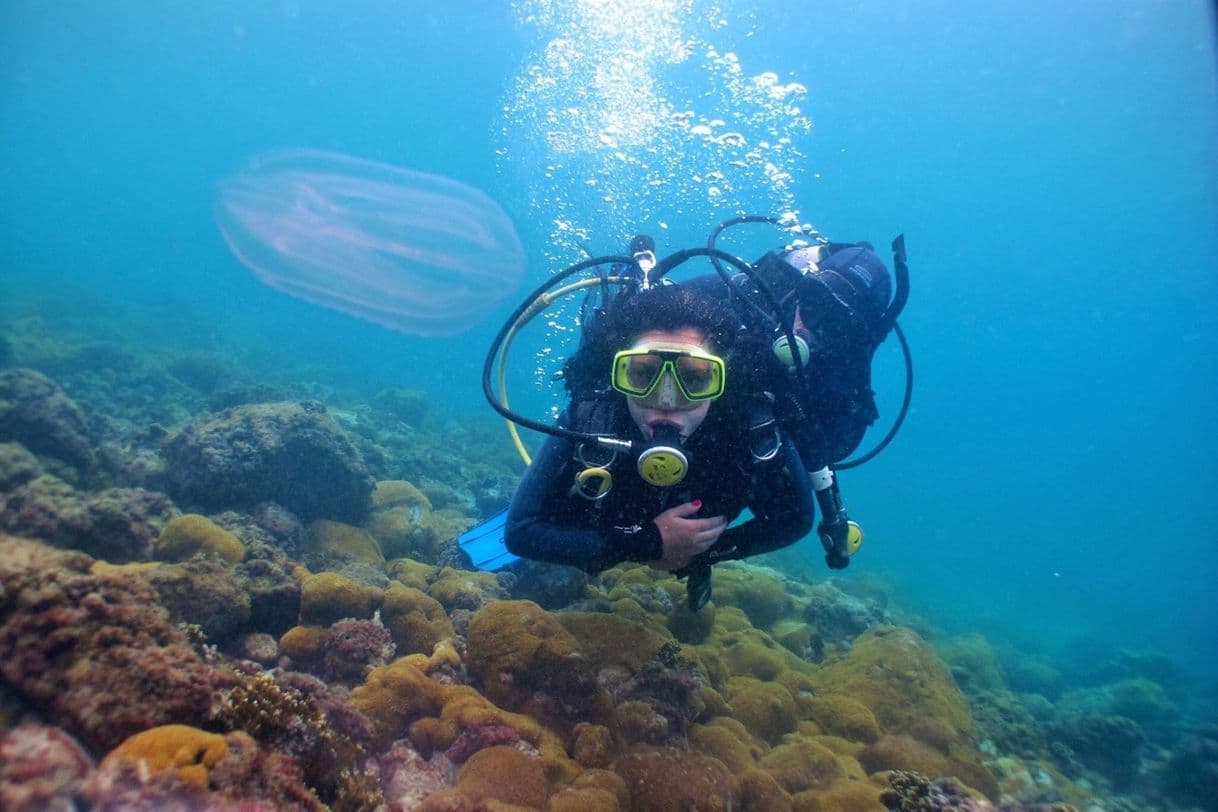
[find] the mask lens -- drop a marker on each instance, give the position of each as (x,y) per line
(698,376)
(641,372)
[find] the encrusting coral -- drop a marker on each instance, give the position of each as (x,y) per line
(186,750)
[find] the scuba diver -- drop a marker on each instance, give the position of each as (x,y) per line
(657,452)
(665,368)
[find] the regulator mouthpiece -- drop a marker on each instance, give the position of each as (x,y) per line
(662,462)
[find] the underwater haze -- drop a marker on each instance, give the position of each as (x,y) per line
(1052,166)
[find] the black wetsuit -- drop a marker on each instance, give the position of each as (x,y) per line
(548,523)
(828,427)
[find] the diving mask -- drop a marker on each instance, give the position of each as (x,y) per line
(698,375)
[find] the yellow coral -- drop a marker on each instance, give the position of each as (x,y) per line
(610,640)
(187,750)
(750,652)
(908,689)
(761,597)
(304,643)
(397,493)
(443,655)
(799,764)
(462,589)
(661,780)
(343,542)
(593,744)
(411,573)
(766,709)
(732,745)
(330,596)
(416,621)
(760,790)
(189,534)
(841,796)
(843,716)
(505,774)
(587,799)
(397,694)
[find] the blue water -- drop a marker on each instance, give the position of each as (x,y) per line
(1054,167)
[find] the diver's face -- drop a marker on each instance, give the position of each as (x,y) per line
(666,404)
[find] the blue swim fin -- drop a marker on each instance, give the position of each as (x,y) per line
(483,544)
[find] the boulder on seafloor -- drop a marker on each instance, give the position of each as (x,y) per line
(36,412)
(290,453)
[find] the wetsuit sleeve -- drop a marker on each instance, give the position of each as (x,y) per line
(544,523)
(782,507)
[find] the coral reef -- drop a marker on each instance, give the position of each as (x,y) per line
(251,664)
(290,453)
(1191,775)
(1110,745)
(95,651)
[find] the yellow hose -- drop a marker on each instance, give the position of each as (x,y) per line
(539,304)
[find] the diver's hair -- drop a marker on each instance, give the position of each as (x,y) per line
(630,314)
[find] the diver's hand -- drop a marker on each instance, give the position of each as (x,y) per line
(683,537)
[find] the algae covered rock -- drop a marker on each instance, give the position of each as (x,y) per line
(115,524)
(94,652)
(290,453)
(36,412)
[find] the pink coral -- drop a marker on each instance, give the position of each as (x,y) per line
(355,646)
(407,778)
(478,737)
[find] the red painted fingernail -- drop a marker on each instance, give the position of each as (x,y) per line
(697,503)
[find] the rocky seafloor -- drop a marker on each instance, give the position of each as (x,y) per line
(223,592)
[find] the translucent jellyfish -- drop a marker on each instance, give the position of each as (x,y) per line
(414,252)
